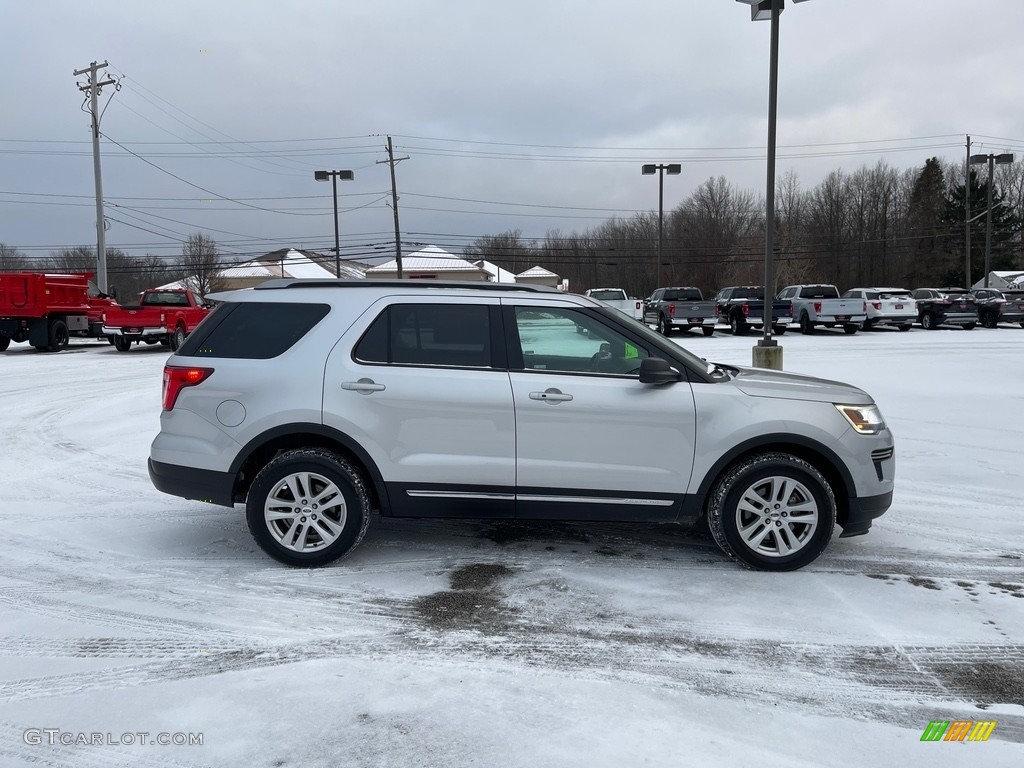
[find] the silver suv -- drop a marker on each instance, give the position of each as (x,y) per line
(314,402)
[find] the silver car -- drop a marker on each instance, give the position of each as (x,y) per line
(315,402)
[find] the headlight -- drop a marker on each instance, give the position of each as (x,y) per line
(866,419)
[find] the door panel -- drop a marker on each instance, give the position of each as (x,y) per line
(443,436)
(592,441)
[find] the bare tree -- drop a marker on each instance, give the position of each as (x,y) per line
(12,260)
(201,264)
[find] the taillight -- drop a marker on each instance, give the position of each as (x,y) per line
(746,309)
(864,308)
(876,304)
(103,317)
(176,379)
(817,307)
(671,310)
(163,318)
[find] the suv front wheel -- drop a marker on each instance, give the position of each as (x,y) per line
(772,512)
(308,507)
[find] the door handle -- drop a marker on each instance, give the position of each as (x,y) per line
(551,395)
(363,386)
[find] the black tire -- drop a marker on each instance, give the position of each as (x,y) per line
(928,322)
(178,338)
(850,329)
(59,336)
(868,325)
(969,326)
(989,320)
(708,330)
(779,330)
(122,344)
(760,476)
(806,326)
(5,342)
(663,327)
(737,326)
(1022,325)
(326,472)
(905,327)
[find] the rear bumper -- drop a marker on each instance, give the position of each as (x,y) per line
(698,322)
(892,319)
(107,331)
(863,511)
(191,483)
(958,318)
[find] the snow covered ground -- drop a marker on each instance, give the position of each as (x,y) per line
(499,644)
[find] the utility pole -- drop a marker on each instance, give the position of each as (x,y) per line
(394,203)
(967,217)
(93,89)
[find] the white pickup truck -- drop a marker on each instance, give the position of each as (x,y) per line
(815,305)
(617,298)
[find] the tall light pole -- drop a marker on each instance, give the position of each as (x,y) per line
(768,353)
(992,160)
(334,176)
(672,169)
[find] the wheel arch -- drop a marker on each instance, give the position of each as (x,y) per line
(814,453)
(262,448)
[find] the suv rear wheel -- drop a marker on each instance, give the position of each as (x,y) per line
(308,507)
(772,512)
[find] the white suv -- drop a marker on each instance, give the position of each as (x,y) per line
(315,402)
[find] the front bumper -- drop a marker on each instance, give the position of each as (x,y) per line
(863,511)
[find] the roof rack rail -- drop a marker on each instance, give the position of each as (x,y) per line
(298,282)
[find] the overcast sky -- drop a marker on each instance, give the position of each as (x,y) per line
(534,115)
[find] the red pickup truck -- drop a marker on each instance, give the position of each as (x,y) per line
(46,310)
(163,315)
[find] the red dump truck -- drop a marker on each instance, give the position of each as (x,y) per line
(46,310)
(163,315)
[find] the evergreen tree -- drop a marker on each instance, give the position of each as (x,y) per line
(1005,226)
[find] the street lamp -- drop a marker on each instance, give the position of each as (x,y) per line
(334,176)
(767,353)
(992,160)
(672,169)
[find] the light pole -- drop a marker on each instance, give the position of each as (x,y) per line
(672,169)
(992,160)
(768,353)
(334,176)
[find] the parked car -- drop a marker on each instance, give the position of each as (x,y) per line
(680,308)
(893,307)
(162,315)
(315,401)
(815,305)
(620,300)
(741,307)
(945,306)
(996,307)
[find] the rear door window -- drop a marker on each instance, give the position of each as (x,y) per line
(454,335)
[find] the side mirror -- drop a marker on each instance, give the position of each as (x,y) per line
(655,370)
